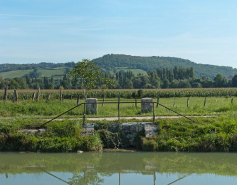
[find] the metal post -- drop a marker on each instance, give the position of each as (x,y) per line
(84,114)
(205,100)
(103,101)
(157,102)
(154,116)
(135,102)
(119,107)
(78,98)
(188,102)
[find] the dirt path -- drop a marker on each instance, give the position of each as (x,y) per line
(127,118)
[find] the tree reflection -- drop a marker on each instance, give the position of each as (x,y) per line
(87,178)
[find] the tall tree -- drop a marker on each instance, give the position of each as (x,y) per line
(90,74)
(234,81)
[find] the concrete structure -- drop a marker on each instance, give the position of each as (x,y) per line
(146,105)
(91,106)
(130,131)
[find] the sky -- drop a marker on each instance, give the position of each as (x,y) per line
(33,31)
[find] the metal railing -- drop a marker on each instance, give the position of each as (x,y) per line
(118,103)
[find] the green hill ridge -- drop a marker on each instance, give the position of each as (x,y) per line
(113,61)
(116,62)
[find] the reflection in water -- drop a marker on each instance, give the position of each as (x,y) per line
(118,168)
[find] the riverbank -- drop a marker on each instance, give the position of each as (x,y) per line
(206,135)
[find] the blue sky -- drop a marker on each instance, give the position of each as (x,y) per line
(203,31)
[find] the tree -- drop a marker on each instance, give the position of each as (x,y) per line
(220,81)
(234,81)
(35,73)
(2,83)
(89,74)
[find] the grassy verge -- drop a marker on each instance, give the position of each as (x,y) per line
(28,109)
(61,136)
(207,135)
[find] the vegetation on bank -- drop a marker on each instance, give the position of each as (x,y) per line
(206,135)
(61,136)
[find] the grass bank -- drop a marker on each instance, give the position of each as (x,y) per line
(207,135)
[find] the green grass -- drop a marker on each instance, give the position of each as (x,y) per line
(60,71)
(14,74)
(27,108)
(208,135)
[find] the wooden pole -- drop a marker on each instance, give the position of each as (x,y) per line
(38,95)
(48,97)
(205,101)
(188,102)
(33,96)
(60,94)
(5,94)
(15,96)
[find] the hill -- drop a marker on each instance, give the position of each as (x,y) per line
(111,62)
(116,62)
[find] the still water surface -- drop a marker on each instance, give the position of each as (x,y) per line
(118,168)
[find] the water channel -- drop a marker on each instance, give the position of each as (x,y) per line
(118,168)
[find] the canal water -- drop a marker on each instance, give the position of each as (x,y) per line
(118,168)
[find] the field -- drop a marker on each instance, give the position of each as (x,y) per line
(134,71)
(60,71)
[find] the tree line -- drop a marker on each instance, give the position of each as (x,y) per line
(177,77)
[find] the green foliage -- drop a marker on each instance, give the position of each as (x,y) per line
(109,139)
(208,135)
(61,136)
(89,75)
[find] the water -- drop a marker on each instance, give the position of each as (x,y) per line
(118,168)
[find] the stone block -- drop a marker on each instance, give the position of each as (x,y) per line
(88,130)
(91,106)
(150,129)
(146,105)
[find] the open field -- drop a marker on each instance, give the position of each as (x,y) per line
(60,71)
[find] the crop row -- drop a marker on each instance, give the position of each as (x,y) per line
(73,94)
